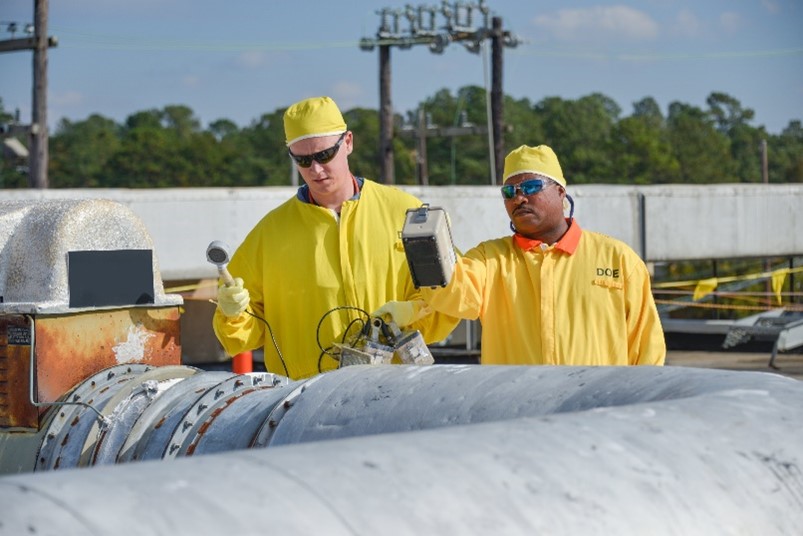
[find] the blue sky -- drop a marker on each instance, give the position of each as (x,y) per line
(238,59)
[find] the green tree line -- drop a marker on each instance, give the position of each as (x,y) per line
(594,140)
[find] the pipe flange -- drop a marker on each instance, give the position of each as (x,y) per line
(265,433)
(149,431)
(212,401)
(124,408)
(69,424)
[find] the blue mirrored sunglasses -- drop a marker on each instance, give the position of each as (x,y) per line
(528,187)
(322,157)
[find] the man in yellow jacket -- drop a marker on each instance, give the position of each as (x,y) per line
(553,293)
(323,260)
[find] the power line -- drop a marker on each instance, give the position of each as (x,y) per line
(581,55)
(422,29)
(74,38)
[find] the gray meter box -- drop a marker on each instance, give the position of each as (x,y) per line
(427,241)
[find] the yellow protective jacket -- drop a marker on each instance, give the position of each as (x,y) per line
(583,301)
(299,262)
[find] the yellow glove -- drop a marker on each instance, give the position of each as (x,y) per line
(234,299)
(403,313)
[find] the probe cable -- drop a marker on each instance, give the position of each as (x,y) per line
(272,338)
(328,351)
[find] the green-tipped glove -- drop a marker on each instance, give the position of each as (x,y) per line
(233,300)
(403,313)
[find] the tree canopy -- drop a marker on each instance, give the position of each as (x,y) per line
(595,140)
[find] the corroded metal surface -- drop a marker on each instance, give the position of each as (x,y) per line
(70,348)
(15,357)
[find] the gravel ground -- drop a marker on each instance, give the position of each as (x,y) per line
(788,364)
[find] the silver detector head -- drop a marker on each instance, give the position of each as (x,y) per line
(218,254)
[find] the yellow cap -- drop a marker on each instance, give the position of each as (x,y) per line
(541,160)
(312,118)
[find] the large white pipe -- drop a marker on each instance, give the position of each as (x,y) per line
(173,412)
(721,462)
(364,400)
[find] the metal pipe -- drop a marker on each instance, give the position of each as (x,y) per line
(68,429)
(365,400)
(150,433)
(214,413)
(723,461)
(124,410)
(227,416)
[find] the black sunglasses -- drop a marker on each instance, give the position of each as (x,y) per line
(322,157)
(528,187)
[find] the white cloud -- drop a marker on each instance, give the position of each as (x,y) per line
(603,21)
(66,99)
(191,81)
(770,5)
(347,94)
(730,20)
(687,24)
(251,59)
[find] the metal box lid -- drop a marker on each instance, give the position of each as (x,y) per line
(108,245)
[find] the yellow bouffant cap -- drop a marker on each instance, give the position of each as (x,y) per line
(541,160)
(312,118)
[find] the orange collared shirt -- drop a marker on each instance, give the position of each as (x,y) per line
(585,300)
(568,242)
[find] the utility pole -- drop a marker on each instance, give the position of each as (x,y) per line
(422,30)
(39,135)
(422,168)
(386,171)
(37,131)
(497,111)
(425,130)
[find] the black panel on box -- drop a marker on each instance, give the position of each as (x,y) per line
(103,278)
(424,262)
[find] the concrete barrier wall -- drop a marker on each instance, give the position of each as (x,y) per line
(478,213)
(720,221)
(677,222)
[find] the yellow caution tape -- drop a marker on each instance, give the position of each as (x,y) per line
(730,279)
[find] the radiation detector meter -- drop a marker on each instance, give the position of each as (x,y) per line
(427,240)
